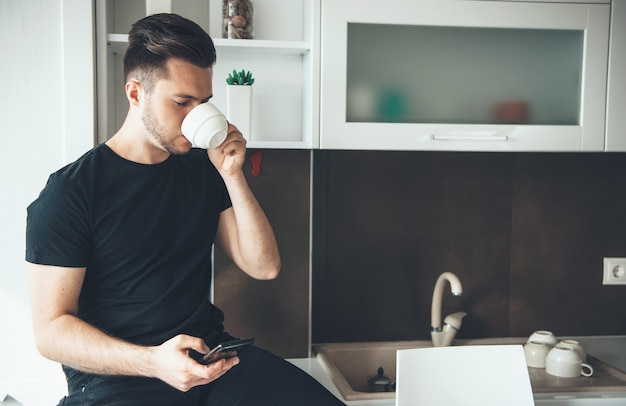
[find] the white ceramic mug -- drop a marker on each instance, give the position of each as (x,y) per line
(205,126)
(578,347)
(536,353)
(564,361)
(543,336)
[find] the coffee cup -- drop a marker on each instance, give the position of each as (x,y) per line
(578,347)
(543,336)
(205,126)
(536,353)
(564,361)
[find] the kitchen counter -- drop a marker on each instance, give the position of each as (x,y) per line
(314,368)
(610,350)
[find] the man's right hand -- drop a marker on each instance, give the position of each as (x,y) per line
(173,365)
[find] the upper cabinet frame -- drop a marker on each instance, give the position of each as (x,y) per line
(339,131)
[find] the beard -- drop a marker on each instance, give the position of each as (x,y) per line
(159,133)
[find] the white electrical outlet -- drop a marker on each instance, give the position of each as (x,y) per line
(614,271)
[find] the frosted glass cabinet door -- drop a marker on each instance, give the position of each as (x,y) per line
(463,75)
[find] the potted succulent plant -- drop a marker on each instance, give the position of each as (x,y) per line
(239,100)
(241,78)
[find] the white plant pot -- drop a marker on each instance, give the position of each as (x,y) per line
(239,108)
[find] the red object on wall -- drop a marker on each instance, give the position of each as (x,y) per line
(256,158)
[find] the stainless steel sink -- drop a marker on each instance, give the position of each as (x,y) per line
(350,365)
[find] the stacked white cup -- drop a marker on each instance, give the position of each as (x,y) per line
(537,347)
(566,361)
(566,358)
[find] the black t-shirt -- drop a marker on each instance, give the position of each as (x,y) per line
(144,233)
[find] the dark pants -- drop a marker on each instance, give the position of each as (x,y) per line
(260,379)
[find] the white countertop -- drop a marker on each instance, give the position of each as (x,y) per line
(314,368)
(608,349)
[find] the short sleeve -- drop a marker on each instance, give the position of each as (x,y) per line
(57,227)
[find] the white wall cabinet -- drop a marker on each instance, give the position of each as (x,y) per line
(283,57)
(616,98)
(464,75)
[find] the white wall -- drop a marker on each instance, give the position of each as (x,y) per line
(33,146)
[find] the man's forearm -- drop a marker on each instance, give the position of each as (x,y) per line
(75,343)
(79,345)
(256,240)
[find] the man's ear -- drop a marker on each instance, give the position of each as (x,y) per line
(133,91)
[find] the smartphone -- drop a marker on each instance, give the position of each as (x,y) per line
(227,349)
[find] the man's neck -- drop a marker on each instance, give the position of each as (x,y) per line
(136,148)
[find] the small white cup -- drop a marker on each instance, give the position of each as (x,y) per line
(564,361)
(578,347)
(536,353)
(543,336)
(205,126)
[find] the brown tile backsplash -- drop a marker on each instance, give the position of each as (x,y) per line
(569,211)
(525,233)
(275,312)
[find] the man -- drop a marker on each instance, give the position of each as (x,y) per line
(118,248)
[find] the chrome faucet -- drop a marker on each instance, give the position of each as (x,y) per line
(443,335)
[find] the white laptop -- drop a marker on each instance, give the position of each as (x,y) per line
(476,375)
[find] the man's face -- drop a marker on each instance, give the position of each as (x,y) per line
(171,99)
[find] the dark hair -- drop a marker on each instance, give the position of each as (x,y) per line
(156,38)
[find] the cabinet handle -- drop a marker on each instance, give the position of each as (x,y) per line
(468,137)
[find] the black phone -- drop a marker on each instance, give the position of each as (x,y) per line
(226,349)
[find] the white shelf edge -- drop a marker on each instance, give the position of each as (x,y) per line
(118,43)
(294,47)
(278,145)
